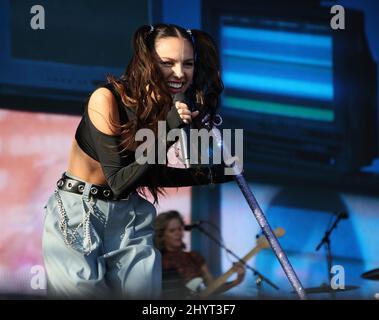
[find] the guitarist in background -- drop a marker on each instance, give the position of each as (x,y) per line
(181,268)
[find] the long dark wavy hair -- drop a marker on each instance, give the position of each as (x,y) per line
(143,82)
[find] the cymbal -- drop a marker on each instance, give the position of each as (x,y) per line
(371,275)
(327,289)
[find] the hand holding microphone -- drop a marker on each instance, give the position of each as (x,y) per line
(183,109)
(186,115)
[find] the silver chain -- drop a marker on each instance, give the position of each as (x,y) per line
(87,243)
(69,238)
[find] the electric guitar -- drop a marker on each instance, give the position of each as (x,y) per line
(195,284)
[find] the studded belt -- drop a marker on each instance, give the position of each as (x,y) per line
(76,186)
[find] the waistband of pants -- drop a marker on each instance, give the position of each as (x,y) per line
(71,184)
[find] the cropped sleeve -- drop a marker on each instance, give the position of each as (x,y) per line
(124,173)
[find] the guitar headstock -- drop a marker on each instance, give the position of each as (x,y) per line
(262,240)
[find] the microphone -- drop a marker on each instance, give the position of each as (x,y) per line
(340,215)
(184,137)
(189,227)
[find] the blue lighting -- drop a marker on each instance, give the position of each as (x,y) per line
(275,85)
(278,62)
(282,37)
(277,57)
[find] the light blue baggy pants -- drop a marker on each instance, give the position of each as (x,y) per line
(100,249)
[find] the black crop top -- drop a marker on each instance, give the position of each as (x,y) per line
(122,172)
(87,132)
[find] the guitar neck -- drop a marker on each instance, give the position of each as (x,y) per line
(222,279)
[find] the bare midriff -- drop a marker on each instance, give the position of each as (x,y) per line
(84,167)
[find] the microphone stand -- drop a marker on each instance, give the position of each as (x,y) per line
(261,219)
(260,277)
(326,241)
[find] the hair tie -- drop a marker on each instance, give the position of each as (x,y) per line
(193,40)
